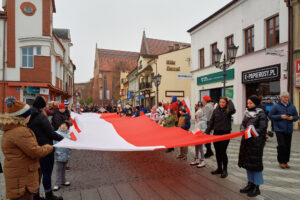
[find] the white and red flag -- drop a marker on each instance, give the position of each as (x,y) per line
(251,131)
(110,132)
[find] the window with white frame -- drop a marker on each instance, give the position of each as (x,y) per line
(27,57)
(28,54)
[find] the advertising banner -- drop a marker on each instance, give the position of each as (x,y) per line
(297,73)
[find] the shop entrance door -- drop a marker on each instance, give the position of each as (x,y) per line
(216,94)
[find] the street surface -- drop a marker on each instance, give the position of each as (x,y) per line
(158,175)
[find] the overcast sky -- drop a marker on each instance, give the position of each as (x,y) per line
(119,24)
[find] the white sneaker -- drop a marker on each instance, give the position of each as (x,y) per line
(201,164)
(195,162)
(67,183)
(56,188)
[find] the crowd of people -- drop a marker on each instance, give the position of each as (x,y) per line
(30,132)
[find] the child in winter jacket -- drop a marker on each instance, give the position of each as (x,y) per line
(184,122)
(62,156)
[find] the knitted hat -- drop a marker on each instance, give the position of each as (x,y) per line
(16,108)
(255,100)
(207,98)
(66,102)
(62,106)
(39,102)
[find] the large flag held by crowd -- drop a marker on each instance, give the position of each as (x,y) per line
(110,132)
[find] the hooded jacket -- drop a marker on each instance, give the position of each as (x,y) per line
(62,154)
(251,150)
(21,157)
(42,129)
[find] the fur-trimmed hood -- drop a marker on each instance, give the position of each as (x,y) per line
(8,122)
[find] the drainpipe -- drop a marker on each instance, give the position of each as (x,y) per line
(290,51)
(3,70)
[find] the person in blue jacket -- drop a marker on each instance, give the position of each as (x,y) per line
(283,115)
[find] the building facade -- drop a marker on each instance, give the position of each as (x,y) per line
(260,29)
(133,87)
(169,59)
(108,66)
(35,57)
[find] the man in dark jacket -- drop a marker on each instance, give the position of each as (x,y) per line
(44,133)
(60,115)
(283,115)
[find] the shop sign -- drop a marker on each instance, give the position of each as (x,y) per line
(229,92)
(44,91)
(33,90)
(215,77)
(173,68)
(261,74)
(297,73)
(185,76)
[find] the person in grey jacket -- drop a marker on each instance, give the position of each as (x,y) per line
(62,156)
(208,111)
(283,115)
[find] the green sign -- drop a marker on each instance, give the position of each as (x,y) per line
(33,90)
(215,77)
(229,92)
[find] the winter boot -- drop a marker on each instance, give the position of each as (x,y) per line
(217,171)
(37,196)
(51,196)
(224,173)
(248,188)
(254,192)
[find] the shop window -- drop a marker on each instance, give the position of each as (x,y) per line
(213,49)
(264,89)
(249,40)
(201,58)
(272,31)
(229,42)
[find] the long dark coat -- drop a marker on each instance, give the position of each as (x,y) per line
(251,150)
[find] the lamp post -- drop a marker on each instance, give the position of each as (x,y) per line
(156,79)
(232,50)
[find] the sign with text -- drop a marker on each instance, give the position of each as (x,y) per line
(44,91)
(297,73)
(261,74)
(215,77)
(185,76)
(33,90)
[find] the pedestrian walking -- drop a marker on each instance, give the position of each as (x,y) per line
(45,135)
(184,122)
(62,156)
(200,124)
(267,107)
(283,115)
(21,151)
(208,110)
(220,123)
(169,122)
(251,149)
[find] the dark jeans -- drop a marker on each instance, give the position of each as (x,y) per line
(47,164)
(284,147)
(221,154)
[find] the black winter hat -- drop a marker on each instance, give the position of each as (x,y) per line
(39,102)
(255,100)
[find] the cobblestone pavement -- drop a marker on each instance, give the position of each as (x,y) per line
(157,175)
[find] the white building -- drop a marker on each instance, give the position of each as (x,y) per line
(36,58)
(260,29)
(133,87)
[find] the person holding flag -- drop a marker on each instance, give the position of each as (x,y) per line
(220,123)
(252,145)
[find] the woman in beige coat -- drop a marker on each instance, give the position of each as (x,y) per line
(21,152)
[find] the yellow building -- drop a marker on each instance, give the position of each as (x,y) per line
(123,87)
(169,59)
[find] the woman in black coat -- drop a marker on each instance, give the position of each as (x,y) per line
(45,134)
(220,123)
(251,149)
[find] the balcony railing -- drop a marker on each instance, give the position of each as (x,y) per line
(146,85)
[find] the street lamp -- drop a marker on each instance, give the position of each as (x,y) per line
(156,79)
(232,50)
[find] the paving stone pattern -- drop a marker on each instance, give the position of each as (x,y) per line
(158,175)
